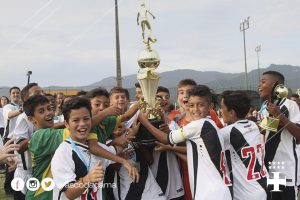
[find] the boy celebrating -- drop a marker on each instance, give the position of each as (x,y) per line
(76,173)
(243,140)
(118,97)
(204,147)
(280,146)
(46,140)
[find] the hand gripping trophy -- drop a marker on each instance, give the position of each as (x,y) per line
(269,123)
(148,61)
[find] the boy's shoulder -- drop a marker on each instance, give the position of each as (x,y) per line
(46,133)
(226,129)
(203,123)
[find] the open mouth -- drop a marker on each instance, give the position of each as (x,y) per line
(82,130)
(185,102)
(49,119)
(197,114)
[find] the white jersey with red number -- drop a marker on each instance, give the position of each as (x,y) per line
(205,159)
(281,145)
(245,160)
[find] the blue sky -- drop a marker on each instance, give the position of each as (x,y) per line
(72,42)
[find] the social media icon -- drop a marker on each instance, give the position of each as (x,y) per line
(33,184)
(17,184)
(47,184)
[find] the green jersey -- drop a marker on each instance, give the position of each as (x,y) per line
(42,146)
(104,129)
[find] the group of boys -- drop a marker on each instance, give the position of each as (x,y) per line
(97,154)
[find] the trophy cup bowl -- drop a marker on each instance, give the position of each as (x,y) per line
(148,59)
(270,123)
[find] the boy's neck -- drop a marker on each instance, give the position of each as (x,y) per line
(82,141)
(235,119)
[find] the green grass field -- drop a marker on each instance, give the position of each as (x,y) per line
(3,196)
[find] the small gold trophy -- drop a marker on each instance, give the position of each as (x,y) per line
(148,61)
(269,123)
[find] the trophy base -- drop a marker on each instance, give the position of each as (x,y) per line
(270,124)
(144,136)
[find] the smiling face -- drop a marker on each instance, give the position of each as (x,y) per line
(119,100)
(182,97)
(15,95)
(4,101)
(199,107)
(79,124)
(265,86)
(165,100)
(99,103)
(43,116)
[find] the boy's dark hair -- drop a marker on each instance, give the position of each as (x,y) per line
(81,93)
(201,91)
(137,85)
(117,90)
(75,104)
(97,92)
(32,102)
(279,77)
(295,95)
(49,95)
(13,88)
(186,82)
(24,91)
(162,89)
(127,94)
(238,101)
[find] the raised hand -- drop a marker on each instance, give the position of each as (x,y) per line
(132,171)
(273,109)
(95,175)
(7,150)
(12,163)
(162,147)
(112,111)
(134,128)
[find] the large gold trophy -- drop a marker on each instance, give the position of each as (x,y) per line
(279,92)
(148,61)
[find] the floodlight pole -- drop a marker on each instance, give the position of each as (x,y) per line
(28,75)
(257,50)
(244,25)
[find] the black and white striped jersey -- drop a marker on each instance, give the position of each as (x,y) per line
(166,171)
(205,159)
(280,146)
(67,167)
(246,167)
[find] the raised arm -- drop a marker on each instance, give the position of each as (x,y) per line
(158,134)
(130,112)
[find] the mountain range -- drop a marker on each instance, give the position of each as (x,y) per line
(218,81)
(215,80)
